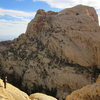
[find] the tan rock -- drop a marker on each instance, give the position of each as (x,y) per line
(90,92)
(40,96)
(79,34)
(81,10)
(11,93)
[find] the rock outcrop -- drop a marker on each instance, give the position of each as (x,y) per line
(73,34)
(58,54)
(40,96)
(11,93)
(90,92)
(4,45)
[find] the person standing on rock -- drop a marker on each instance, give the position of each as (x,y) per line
(5,81)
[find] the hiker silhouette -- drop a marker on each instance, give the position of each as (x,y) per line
(5,81)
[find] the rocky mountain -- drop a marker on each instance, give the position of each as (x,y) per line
(59,53)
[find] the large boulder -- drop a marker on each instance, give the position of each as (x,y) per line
(41,96)
(58,54)
(89,92)
(11,93)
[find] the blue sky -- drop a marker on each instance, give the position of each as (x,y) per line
(15,14)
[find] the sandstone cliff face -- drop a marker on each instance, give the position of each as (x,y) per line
(73,34)
(58,54)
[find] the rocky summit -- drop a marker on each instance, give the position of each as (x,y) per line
(59,53)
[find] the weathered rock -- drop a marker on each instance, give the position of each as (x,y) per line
(40,96)
(73,34)
(58,54)
(4,45)
(11,93)
(90,92)
(82,10)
